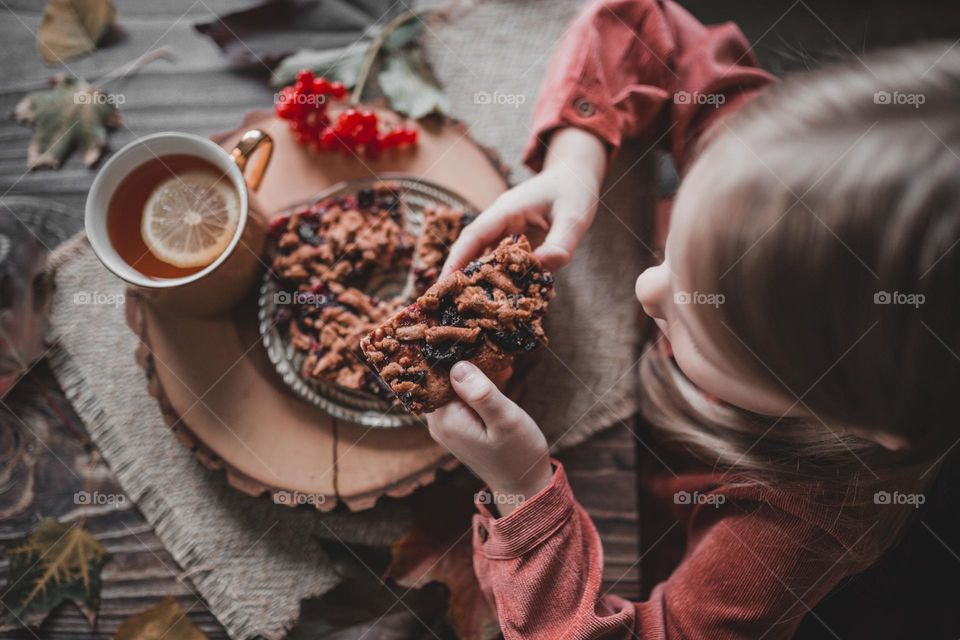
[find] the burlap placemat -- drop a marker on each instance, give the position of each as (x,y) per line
(254,561)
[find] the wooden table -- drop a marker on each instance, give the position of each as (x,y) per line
(198,95)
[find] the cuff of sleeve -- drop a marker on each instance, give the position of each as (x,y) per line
(574,110)
(534,521)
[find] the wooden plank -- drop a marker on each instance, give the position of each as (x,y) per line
(602,473)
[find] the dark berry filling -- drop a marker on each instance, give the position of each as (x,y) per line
(472,268)
(365,198)
(520,340)
(449,316)
(416,377)
(446,354)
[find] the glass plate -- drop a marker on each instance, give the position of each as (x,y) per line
(340,402)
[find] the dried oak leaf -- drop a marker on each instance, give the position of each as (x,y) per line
(163,621)
(71,115)
(72,27)
(55,563)
(439,549)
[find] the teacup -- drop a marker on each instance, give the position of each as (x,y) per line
(207,288)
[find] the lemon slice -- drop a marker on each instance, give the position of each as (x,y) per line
(189,219)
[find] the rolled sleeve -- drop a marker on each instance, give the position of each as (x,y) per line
(607,76)
(642,69)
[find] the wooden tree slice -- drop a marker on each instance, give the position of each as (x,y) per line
(221,395)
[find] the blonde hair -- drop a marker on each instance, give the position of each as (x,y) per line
(825,196)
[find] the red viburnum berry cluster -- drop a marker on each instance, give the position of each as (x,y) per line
(304,104)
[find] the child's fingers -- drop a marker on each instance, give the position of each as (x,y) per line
(481,395)
(565,234)
(506,215)
(475,237)
(453,422)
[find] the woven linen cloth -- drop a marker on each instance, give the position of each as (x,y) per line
(253,561)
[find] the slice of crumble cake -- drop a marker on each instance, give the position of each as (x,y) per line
(487,313)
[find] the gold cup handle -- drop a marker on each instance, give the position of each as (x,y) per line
(249,142)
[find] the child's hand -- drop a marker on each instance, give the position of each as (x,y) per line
(560,201)
(494,437)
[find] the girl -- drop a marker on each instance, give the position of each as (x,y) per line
(809,297)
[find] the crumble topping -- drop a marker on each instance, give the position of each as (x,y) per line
(441,227)
(486,313)
(327,255)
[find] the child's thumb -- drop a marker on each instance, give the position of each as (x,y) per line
(476,389)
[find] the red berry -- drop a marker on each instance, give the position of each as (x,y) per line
(303,105)
(305,76)
(328,139)
(391,138)
(278,225)
(351,118)
(284,106)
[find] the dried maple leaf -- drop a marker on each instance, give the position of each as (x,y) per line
(166,620)
(73,27)
(72,115)
(55,563)
(439,549)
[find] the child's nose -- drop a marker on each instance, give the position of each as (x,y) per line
(652,289)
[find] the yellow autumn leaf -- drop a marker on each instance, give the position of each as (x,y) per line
(56,562)
(72,27)
(166,620)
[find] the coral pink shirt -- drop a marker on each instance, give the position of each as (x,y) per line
(755,560)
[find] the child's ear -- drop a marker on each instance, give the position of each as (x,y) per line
(890,441)
(887,440)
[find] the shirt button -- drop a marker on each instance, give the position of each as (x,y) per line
(584,107)
(482,532)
